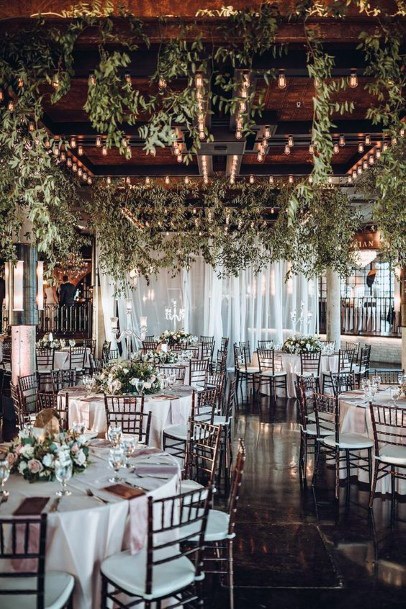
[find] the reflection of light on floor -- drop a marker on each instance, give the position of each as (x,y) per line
(391,573)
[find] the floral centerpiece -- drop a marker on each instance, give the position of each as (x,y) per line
(302,344)
(45,343)
(156,357)
(173,337)
(124,377)
(34,456)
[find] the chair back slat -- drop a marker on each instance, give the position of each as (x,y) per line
(128,411)
(202,451)
(236,485)
(327,411)
(389,425)
(310,362)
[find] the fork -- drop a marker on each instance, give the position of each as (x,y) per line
(90,493)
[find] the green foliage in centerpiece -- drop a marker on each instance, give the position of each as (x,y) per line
(34,456)
(156,357)
(121,377)
(302,344)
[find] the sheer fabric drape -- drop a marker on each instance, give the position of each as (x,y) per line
(246,307)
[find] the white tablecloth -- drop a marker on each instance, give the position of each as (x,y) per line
(291,364)
(84,530)
(355,417)
(166,411)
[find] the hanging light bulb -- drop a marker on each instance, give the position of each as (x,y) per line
(238,134)
(232,180)
(365,165)
(252,179)
(80,150)
(98,141)
(367,140)
(336,148)
(267,132)
(74,167)
(385,147)
(147,181)
(282,83)
(187,180)
(394,140)
(311,148)
(73,142)
(260,157)
(63,156)
(354,175)
(56,150)
(310,179)
(167,180)
(349,180)
(401,132)
(1,95)
(55,81)
(128,180)
(89,180)
(10,106)
(353,79)
(69,162)
(371,159)
(290,141)
(287,149)
(20,83)
(127,78)
(104,150)
(92,79)
(360,147)
(124,142)
(31,126)
(80,171)
(84,176)
(108,180)
(271,179)
(359,170)
(179,158)
(378,153)
(162,84)
(330,179)
(341,140)
(290,179)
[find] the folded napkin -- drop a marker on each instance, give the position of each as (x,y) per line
(126,492)
(138,452)
(31,506)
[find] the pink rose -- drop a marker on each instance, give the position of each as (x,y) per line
(11,458)
(74,448)
(34,466)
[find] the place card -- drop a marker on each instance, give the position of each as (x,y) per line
(31,506)
(126,492)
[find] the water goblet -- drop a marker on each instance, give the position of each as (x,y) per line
(114,434)
(63,472)
(116,460)
(72,342)
(129,444)
(4,476)
(78,428)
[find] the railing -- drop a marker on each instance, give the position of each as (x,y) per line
(373,316)
(69,321)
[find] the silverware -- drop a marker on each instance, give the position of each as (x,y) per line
(90,493)
(55,505)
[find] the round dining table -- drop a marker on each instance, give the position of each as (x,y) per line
(94,522)
(169,407)
(355,417)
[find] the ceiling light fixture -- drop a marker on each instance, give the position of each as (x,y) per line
(282,82)
(353,79)
(341,140)
(360,147)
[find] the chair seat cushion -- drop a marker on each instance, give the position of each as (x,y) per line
(311,430)
(395,455)
(221,420)
(128,571)
(217,526)
(354,441)
(250,370)
(58,588)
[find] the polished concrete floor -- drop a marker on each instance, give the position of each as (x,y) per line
(296,549)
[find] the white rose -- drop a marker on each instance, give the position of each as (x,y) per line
(48,460)
(126,370)
(80,458)
(147,385)
(22,466)
(134,381)
(27,451)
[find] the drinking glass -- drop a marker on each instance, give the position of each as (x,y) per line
(4,475)
(87,382)
(63,472)
(394,393)
(114,433)
(129,444)
(376,380)
(116,460)
(72,342)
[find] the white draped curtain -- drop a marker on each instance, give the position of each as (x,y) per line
(246,307)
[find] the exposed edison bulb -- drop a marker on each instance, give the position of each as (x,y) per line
(336,148)
(205,179)
(282,82)
(402,132)
(360,147)
(162,83)
(80,150)
(179,158)
(167,180)
(252,179)
(69,162)
(187,180)
(290,141)
(128,180)
(92,79)
(330,179)
(47,143)
(1,95)
(63,156)
(232,180)
(98,141)
(127,78)
(108,180)
(56,150)
(354,175)
(31,126)
(80,171)
(371,159)
(10,106)
(367,140)
(378,153)
(271,180)
(74,167)
(147,181)
(365,165)
(287,149)
(385,146)
(341,140)
(124,142)
(55,81)
(73,142)
(311,148)
(310,179)
(84,176)
(353,79)
(104,150)
(260,157)
(238,134)
(349,180)
(199,80)
(290,179)
(394,140)
(359,170)
(267,132)
(89,180)
(20,83)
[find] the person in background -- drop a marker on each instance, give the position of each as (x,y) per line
(67,292)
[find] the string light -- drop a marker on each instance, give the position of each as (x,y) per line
(359,170)
(365,165)
(349,180)
(260,157)
(80,150)
(89,180)
(63,156)
(287,149)
(98,141)
(330,179)
(394,140)
(271,180)
(128,78)
(147,181)
(311,148)
(162,84)
(92,80)
(56,150)
(55,81)
(341,140)
(84,176)
(108,180)
(360,147)
(378,153)
(104,150)
(385,147)
(371,160)
(10,106)
(291,143)
(187,180)
(267,132)
(252,179)
(128,180)
(282,83)
(367,140)
(74,167)
(336,148)
(167,180)
(310,179)
(20,83)
(1,95)
(69,162)
(72,142)
(179,158)
(290,180)
(242,106)
(80,171)
(401,132)
(201,116)
(353,79)
(354,175)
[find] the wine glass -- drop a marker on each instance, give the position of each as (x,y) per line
(63,472)
(129,444)
(4,476)
(87,382)
(72,342)
(376,380)
(114,433)
(116,460)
